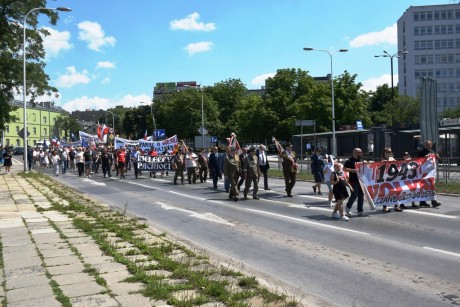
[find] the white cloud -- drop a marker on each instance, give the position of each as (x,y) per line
(96,103)
(73,77)
(260,80)
(372,83)
(198,47)
(105,64)
(190,23)
(106,80)
(93,34)
(386,36)
(56,42)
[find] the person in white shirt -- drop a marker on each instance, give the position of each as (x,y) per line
(190,164)
(55,161)
(263,164)
(328,169)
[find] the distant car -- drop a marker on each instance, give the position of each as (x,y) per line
(19,150)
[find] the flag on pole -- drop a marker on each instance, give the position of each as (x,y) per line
(145,135)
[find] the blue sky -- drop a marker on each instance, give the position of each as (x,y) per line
(112,52)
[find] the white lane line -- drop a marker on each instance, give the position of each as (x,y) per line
(142,185)
(314,197)
(203,216)
(216,201)
(93,182)
(307,222)
(309,208)
(441,251)
(431,214)
(188,196)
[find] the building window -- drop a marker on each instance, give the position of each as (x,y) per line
(7,128)
(17,128)
(417,16)
(35,130)
(54,121)
(44,119)
(457,14)
(45,133)
(18,142)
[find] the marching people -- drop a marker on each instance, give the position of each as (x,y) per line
(251,173)
(79,161)
(317,165)
(327,170)
(106,161)
(387,155)
(30,158)
(243,156)
(221,161)
(153,153)
(203,162)
(289,168)
(121,162)
(406,156)
(135,153)
(426,150)
(190,164)
(340,184)
(264,165)
(55,159)
(232,171)
(357,192)
(87,158)
(214,166)
(178,165)
(72,159)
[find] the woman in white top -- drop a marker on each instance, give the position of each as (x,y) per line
(328,169)
(55,160)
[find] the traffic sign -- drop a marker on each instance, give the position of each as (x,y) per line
(21,133)
(305,122)
(202,130)
(159,133)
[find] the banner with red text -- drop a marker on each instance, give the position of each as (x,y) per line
(399,182)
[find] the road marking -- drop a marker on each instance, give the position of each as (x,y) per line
(204,216)
(188,196)
(142,185)
(442,251)
(93,182)
(310,208)
(216,201)
(314,197)
(431,214)
(307,222)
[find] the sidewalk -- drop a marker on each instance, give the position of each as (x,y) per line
(41,267)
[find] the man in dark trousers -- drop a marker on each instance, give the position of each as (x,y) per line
(426,150)
(242,157)
(358,193)
(214,166)
(263,164)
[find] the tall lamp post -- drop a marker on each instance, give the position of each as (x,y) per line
(391,56)
(113,120)
(24,85)
(446,93)
(153,117)
(334,139)
(202,118)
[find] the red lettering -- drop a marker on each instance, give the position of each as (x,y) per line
(373,190)
(384,187)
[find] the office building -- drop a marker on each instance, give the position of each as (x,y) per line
(431,35)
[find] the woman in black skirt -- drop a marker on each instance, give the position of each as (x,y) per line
(339,189)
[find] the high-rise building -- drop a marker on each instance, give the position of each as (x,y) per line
(431,35)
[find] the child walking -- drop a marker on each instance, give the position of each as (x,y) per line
(340,192)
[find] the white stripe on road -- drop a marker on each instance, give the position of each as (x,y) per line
(204,216)
(441,251)
(93,182)
(141,185)
(431,214)
(306,221)
(188,196)
(314,197)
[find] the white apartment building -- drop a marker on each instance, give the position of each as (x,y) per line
(431,35)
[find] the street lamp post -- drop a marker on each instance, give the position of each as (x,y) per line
(153,117)
(202,118)
(113,120)
(391,56)
(446,93)
(24,85)
(334,139)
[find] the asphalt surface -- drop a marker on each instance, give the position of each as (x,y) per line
(396,259)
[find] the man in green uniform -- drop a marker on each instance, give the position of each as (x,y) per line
(178,164)
(251,173)
(289,168)
(232,171)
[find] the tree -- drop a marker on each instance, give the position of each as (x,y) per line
(12,15)
(68,124)
(402,110)
(451,112)
(377,101)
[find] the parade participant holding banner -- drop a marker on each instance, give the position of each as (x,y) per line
(135,153)
(232,171)
(289,168)
(251,173)
(339,182)
(387,155)
(406,156)
(350,167)
(178,166)
(327,170)
(426,150)
(203,161)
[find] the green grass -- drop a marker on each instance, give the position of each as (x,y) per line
(449,187)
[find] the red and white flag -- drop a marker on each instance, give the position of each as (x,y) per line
(145,135)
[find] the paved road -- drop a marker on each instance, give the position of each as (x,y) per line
(396,259)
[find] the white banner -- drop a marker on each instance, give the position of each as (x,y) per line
(159,146)
(398,182)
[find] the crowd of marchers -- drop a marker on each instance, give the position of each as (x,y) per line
(237,168)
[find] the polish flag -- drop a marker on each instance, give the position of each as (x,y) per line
(145,135)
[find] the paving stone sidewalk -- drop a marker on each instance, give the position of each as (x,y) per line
(40,268)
